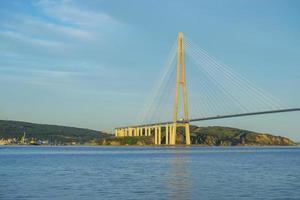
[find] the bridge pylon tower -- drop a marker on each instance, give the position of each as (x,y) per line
(180,84)
(170,127)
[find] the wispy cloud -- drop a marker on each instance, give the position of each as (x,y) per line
(38,28)
(67,12)
(45,76)
(61,22)
(79,82)
(22,37)
(51,76)
(59,45)
(55,32)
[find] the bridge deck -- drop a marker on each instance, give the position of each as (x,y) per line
(223,116)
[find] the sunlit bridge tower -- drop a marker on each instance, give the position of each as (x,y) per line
(169,127)
(226,84)
(180,84)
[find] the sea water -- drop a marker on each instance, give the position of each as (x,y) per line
(45,172)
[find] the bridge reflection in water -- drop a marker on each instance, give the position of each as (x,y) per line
(179,181)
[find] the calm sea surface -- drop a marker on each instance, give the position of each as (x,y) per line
(28,172)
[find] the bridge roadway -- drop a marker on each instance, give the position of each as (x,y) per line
(221,116)
(147,129)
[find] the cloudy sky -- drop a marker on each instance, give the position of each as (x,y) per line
(92,63)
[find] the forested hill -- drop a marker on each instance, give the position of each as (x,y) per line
(226,136)
(14,130)
(11,132)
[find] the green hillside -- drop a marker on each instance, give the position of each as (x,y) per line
(226,136)
(11,132)
(52,134)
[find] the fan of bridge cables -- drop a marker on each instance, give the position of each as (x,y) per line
(213,89)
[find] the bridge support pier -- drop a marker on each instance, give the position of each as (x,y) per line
(187,134)
(173,134)
(159,135)
(130,132)
(155,135)
(167,134)
(170,134)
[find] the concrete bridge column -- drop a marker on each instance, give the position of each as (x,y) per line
(118,132)
(129,131)
(155,135)
(170,134)
(173,134)
(159,135)
(135,132)
(187,134)
(167,134)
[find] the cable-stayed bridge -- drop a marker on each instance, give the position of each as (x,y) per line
(217,92)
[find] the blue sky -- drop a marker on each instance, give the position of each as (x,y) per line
(92,63)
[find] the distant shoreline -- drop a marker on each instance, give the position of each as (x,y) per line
(158,146)
(22,133)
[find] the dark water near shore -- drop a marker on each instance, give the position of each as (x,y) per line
(149,173)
